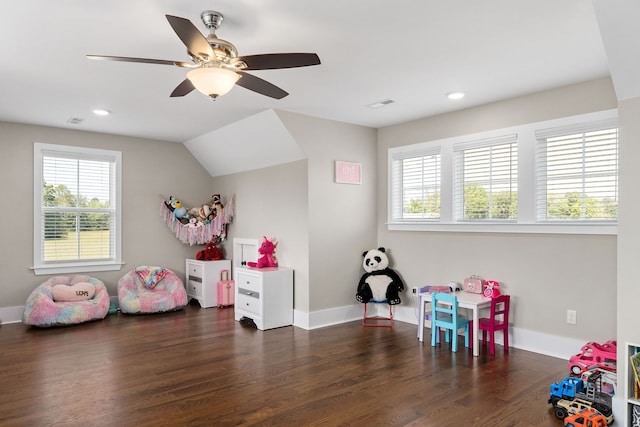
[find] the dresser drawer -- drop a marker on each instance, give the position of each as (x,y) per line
(194,288)
(249,282)
(249,293)
(248,303)
(194,270)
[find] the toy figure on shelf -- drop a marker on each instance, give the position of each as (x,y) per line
(268,251)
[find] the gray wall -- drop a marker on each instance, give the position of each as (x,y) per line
(628,234)
(545,273)
(151,169)
(323,227)
(342,217)
(273,202)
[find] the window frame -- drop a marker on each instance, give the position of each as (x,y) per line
(527,221)
(542,176)
(40,266)
(459,151)
(397,203)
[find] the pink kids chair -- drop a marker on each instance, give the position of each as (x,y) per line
(497,321)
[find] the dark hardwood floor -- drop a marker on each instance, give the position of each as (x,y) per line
(199,367)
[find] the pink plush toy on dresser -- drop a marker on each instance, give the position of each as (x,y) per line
(268,250)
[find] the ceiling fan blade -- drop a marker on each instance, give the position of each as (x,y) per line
(272,61)
(142,60)
(258,85)
(196,43)
(182,89)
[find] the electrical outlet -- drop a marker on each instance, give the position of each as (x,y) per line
(571,317)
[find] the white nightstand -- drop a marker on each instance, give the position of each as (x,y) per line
(202,279)
(264,295)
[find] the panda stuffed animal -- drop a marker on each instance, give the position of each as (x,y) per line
(379,282)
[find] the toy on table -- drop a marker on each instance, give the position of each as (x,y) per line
(379,282)
(268,250)
(473,284)
(491,289)
(455,286)
(435,289)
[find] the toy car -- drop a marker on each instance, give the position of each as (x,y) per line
(563,408)
(593,353)
(586,418)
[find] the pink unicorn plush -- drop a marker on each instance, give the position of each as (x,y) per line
(268,251)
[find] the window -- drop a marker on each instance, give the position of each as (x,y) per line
(76,209)
(577,173)
(487,179)
(557,176)
(416,181)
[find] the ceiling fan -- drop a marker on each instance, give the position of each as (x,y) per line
(215,64)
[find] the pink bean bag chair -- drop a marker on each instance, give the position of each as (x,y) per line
(151,290)
(66,300)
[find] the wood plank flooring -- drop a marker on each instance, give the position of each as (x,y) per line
(199,367)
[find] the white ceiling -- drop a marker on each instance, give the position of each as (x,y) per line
(411,51)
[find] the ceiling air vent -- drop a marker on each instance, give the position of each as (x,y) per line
(75,120)
(381,104)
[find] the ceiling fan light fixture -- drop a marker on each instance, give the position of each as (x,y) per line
(213,81)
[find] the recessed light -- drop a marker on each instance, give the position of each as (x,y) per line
(455,95)
(101,112)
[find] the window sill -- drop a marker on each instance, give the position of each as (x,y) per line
(548,228)
(76,268)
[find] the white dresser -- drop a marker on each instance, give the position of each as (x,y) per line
(202,280)
(264,295)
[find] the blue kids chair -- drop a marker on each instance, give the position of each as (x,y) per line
(445,316)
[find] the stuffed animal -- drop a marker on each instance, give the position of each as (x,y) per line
(379,282)
(216,204)
(268,250)
(200,213)
(179,211)
(169,203)
(209,253)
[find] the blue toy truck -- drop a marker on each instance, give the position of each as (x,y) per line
(573,389)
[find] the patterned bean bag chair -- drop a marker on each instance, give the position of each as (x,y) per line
(66,300)
(148,289)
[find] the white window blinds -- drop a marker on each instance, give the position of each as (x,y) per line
(486,179)
(76,206)
(416,185)
(577,173)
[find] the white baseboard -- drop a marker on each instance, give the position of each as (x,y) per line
(537,342)
(11,314)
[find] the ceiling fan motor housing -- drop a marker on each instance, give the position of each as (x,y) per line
(212,19)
